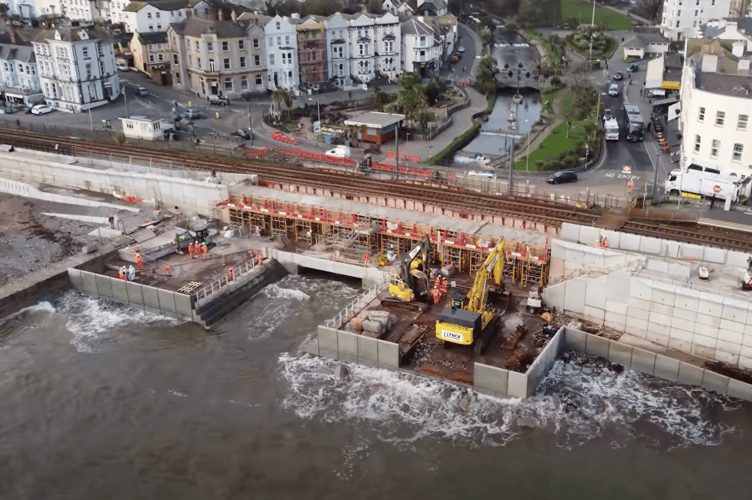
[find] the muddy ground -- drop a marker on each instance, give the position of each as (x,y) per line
(30,241)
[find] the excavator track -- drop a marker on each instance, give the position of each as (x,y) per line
(401,304)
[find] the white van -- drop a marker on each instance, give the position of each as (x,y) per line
(339,152)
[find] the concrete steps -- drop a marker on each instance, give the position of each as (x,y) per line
(211,312)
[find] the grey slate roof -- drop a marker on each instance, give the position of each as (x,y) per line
(21,53)
(195,27)
(152,37)
(414,27)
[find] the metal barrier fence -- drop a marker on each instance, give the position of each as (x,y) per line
(348,312)
(216,287)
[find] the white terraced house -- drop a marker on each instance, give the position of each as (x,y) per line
(76,68)
(282,53)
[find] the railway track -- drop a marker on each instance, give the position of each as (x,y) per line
(349,184)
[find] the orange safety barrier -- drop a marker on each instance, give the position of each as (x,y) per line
(279,136)
(131,199)
(256,152)
(417,172)
(403,156)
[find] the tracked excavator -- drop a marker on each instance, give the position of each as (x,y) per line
(411,282)
(472,319)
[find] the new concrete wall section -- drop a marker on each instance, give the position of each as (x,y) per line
(293,262)
(657,305)
(654,364)
(354,348)
(191,195)
(160,301)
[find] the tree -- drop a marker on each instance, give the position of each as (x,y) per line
(485,36)
(651,8)
(485,79)
(434,90)
(411,98)
(380,98)
(425,116)
(283,96)
(374,7)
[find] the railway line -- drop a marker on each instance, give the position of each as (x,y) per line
(349,184)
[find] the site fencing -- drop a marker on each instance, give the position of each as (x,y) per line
(228,279)
(356,305)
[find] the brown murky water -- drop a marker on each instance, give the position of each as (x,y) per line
(102,402)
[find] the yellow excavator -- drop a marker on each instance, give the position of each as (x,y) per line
(471,319)
(411,283)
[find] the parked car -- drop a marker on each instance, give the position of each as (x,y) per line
(562,176)
(607,115)
(41,109)
(191,114)
(215,99)
(454,58)
(632,68)
(141,91)
(613,89)
(461,49)
(243,134)
(618,75)
(122,67)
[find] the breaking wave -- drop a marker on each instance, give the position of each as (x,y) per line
(92,320)
(293,296)
(571,407)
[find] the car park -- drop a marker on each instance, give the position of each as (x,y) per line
(215,99)
(613,89)
(562,177)
(191,114)
(41,109)
(618,75)
(141,91)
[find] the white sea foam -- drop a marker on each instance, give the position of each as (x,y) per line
(91,320)
(571,407)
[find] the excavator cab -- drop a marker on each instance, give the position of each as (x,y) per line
(411,283)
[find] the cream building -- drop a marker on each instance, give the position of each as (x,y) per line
(216,57)
(716,101)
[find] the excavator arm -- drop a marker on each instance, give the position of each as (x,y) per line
(493,265)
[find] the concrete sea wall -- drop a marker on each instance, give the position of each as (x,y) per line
(509,383)
(654,364)
(649,296)
(185,189)
(293,262)
(148,298)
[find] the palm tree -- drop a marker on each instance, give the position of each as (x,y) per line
(282,96)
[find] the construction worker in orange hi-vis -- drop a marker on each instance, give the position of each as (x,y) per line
(140,261)
(205,250)
(121,273)
(191,251)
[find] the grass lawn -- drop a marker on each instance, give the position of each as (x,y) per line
(551,147)
(583,12)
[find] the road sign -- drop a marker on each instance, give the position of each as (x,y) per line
(716,189)
(317,127)
(626,169)
(630,186)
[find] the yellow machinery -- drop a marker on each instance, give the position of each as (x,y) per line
(471,319)
(412,281)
